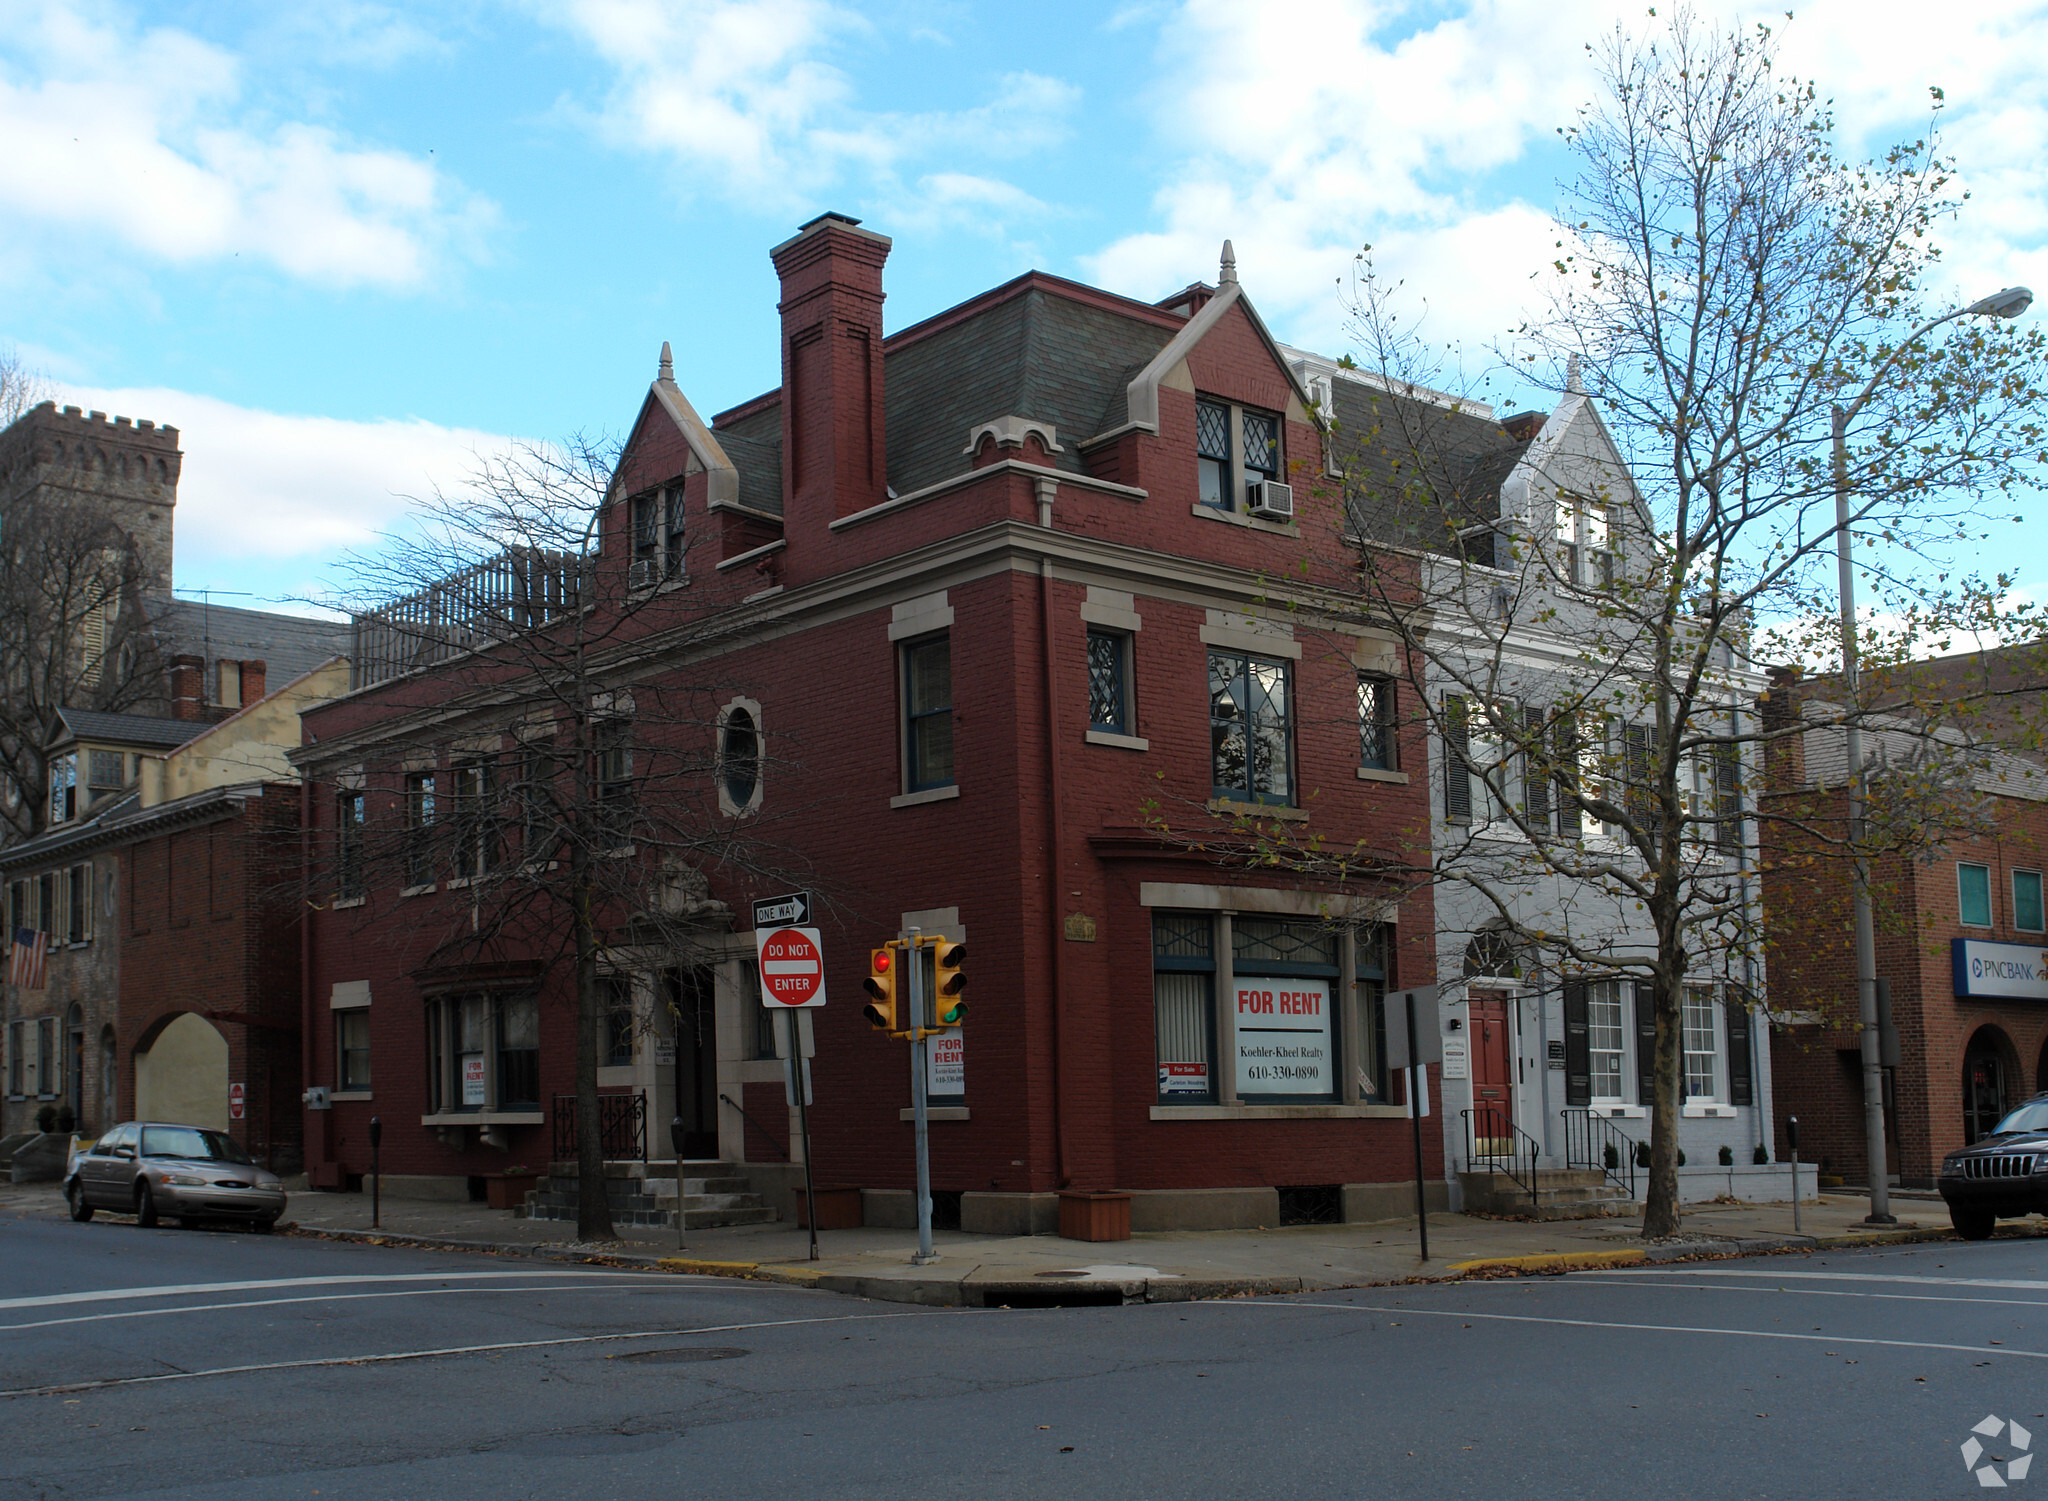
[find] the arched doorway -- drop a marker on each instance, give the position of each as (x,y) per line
(181,1074)
(1491,1024)
(1991,1078)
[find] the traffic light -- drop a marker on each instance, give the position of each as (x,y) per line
(949,983)
(883,1012)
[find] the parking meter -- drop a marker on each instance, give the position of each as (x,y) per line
(376,1175)
(1792,1136)
(675,1137)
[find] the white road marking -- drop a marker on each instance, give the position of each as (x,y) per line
(352,1360)
(411,1292)
(1524,1318)
(181,1289)
(1799,1292)
(1776,1275)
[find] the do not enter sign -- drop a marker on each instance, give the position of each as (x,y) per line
(792,967)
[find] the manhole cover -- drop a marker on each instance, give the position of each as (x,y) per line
(681,1357)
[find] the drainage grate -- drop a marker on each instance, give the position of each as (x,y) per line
(681,1357)
(1312,1204)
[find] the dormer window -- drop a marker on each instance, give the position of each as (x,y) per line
(1236,448)
(103,775)
(657,523)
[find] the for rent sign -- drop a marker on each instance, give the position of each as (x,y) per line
(1283,1037)
(2015,971)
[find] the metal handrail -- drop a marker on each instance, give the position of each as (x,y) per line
(1594,1141)
(1517,1162)
(728,1099)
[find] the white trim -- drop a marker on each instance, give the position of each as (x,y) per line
(920,617)
(1122,742)
(726,805)
(349,995)
(1113,608)
(721,476)
(752,553)
(929,795)
(1248,633)
(1254,523)
(1374,774)
(1010,432)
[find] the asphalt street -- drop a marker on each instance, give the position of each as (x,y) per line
(179,1363)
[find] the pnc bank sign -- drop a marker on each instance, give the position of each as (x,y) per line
(2013,971)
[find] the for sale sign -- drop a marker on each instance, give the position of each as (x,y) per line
(1283,1037)
(792,964)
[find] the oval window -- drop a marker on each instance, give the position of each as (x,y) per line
(741,756)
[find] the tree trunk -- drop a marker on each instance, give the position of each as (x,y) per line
(593,1208)
(1660,1207)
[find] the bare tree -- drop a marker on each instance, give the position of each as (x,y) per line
(551,753)
(1578,609)
(20,387)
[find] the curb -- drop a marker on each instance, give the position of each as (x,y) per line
(1550,1261)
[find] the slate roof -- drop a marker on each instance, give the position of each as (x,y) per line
(131,729)
(759,462)
(122,820)
(1414,469)
(289,646)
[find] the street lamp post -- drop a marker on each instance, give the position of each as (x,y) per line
(2009,303)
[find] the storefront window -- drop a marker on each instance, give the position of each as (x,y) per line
(1284,986)
(1183,1001)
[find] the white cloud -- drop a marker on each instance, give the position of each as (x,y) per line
(142,136)
(745,98)
(270,496)
(1410,134)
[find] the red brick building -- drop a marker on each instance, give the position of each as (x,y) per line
(1961,941)
(996,594)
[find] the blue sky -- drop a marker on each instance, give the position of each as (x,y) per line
(343,247)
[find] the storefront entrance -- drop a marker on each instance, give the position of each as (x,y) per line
(1985,1097)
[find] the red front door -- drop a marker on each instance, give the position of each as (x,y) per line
(1493,1107)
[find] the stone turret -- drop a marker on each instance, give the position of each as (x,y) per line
(123,469)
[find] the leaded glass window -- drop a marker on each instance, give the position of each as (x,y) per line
(1272,940)
(1261,445)
(1376,723)
(1108,703)
(1212,447)
(1251,730)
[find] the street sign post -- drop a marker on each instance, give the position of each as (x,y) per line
(1414,1041)
(791,911)
(792,962)
(796,1045)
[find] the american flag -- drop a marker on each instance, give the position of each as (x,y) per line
(31,948)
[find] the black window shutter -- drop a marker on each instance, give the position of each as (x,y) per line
(1457,766)
(1728,796)
(1564,735)
(1646,1045)
(1578,1062)
(1740,1090)
(1534,770)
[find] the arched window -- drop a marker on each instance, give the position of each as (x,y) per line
(1491,953)
(739,770)
(739,758)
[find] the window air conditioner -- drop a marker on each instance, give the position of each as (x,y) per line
(1270,498)
(643,574)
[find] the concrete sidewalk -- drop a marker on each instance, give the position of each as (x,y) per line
(984,1270)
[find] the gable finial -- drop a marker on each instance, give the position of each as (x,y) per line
(668,365)
(1573,384)
(1228,273)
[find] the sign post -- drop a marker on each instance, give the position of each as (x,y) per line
(1414,1041)
(925,1254)
(791,960)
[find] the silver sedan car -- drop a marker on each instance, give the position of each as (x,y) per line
(154,1169)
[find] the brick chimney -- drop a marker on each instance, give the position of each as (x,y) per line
(188,687)
(833,462)
(1785,756)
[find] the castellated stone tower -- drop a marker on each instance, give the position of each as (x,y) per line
(126,471)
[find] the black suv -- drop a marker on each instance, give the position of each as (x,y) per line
(2003,1175)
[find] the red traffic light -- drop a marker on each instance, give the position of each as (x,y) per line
(881,960)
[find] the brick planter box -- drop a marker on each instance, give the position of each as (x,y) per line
(838,1209)
(508,1190)
(1095,1216)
